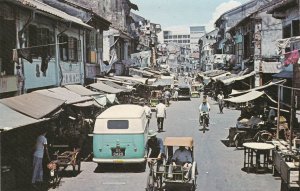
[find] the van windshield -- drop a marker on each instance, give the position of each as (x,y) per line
(117,124)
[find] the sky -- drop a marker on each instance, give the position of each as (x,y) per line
(180,14)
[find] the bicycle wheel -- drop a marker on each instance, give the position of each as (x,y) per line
(150,183)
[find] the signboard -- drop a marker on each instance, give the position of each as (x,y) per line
(71,73)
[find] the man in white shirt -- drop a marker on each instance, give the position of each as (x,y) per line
(161,114)
(204,108)
(147,111)
(40,148)
(221,101)
(182,157)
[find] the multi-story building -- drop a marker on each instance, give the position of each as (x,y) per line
(196,32)
(179,37)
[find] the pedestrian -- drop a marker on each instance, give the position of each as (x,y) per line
(147,111)
(40,149)
(161,114)
(167,96)
(221,101)
(175,95)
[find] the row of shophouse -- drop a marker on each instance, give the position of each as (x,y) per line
(49,43)
(257,36)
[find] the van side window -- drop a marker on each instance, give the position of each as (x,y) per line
(117,124)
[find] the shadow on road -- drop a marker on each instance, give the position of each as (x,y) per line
(118,168)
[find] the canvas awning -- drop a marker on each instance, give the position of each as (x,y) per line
(117,86)
(105,99)
(179,141)
(229,81)
(11,119)
(88,104)
(79,89)
(33,104)
(105,88)
(132,79)
(164,81)
(257,88)
(221,75)
(246,97)
(64,94)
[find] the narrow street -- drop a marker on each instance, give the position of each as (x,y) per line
(219,166)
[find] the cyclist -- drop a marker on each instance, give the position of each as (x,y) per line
(204,108)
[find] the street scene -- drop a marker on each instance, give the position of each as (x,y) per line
(149,95)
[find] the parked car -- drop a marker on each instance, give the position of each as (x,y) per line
(120,135)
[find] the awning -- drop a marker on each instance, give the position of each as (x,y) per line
(119,81)
(270,67)
(257,88)
(117,86)
(236,78)
(105,88)
(53,11)
(11,119)
(64,94)
(246,97)
(221,75)
(88,104)
(106,99)
(33,104)
(79,89)
(284,74)
(142,73)
(132,79)
(164,81)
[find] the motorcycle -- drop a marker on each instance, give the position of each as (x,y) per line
(204,121)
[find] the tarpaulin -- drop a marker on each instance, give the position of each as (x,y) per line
(79,89)
(33,104)
(105,88)
(246,97)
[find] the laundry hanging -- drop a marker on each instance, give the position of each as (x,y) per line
(291,57)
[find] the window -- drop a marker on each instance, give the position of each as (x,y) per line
(63,47)
(296,30)
(69,48)
(179,36)
(117,124)
(179,41)
(72,48)
(287,31)
(174,36)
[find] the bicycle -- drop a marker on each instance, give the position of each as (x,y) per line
(154,181)
(204,122)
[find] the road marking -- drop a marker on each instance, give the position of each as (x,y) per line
(114,183)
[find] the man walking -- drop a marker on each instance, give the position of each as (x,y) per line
(161,114)
(221,101)
(147,111)
(40,148)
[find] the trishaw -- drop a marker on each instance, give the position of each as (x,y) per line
(159,176)
(155,96)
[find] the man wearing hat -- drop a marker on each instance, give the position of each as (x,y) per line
(155,144)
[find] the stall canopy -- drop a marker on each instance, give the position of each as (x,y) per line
(246,97)
(64,94)
(33,104)
(79,89)
(132,79)
(231,80)
(105,88)
(117,86)
(164,81)
(11,119)
(103,100)
(235,92)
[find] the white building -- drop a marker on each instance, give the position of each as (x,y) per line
(185,38)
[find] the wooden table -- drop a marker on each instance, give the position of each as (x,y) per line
(255,150)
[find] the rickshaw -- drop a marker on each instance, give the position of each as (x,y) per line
(155,96)
(159,177)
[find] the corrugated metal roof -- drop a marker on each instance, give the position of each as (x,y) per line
(79,89)
(11,119)
(270,67)
(53,11)
(64,94)
(33,104)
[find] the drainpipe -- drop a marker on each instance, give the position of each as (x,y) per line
(20,34)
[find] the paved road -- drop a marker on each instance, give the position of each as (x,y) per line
(219,166)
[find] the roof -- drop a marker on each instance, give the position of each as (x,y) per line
(33,104)
(124,111)
(139,72)
(51,10)
(64,94)
(246,97)
(163,82)
(79,89)
(11,119)
(105,88)
(179,141)
(270,67)
(284,74)
(132,79)
(281,5)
